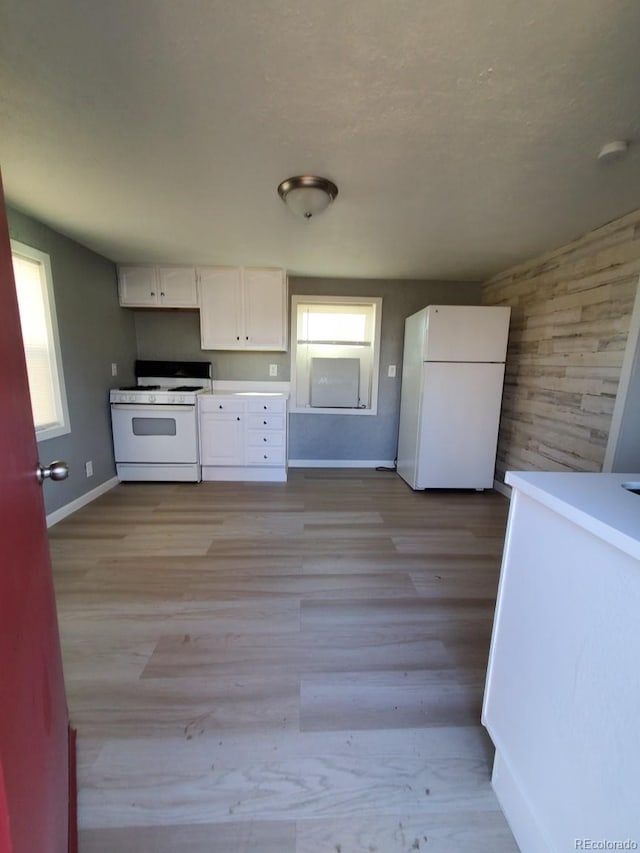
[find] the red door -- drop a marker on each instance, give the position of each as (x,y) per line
(34,764)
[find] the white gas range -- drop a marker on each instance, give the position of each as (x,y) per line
(155,424)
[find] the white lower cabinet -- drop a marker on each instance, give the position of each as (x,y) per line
(243,438)
(221,439)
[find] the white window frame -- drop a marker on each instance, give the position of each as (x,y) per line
(62,426)
(376,302)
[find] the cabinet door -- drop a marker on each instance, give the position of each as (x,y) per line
(220,308)
(138,286)
(265,309)
(221,439)
(178,287)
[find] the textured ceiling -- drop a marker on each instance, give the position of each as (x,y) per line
(462,134)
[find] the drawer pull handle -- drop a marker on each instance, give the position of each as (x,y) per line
(238,418)
(264,439)
(220,406)
(264,422)
(265,456)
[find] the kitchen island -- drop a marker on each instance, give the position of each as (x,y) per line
(562,696)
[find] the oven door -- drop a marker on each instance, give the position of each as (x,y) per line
(143,433)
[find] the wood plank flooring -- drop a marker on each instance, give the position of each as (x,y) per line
(282,668)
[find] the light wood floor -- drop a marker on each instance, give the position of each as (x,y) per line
(282,668)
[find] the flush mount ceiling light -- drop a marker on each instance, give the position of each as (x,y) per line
(613,150)
(307,195)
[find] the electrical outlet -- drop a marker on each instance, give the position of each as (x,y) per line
(273,370)
(88,467)
(391,372)
(114,368)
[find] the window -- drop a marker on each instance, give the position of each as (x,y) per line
(335,352)
(32,273)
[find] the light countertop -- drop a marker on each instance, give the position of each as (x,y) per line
(596,502)
(231,392)
(249,388)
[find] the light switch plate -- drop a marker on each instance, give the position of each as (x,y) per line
(391,372)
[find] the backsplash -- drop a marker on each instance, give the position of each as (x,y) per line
(176,335)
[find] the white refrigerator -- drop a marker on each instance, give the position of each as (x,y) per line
(452,378)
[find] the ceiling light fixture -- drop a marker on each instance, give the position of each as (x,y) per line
(613,150)
(307,195)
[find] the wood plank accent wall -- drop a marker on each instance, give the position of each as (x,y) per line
(571,310)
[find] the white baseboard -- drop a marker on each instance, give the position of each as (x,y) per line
(244,474)
(502,488)
(340,463)
(517,809)
(58,514)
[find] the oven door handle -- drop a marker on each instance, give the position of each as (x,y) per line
(150,408)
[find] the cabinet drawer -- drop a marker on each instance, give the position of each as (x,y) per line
(265,455)
(261,438)
(268,405)
(263,422)
(221,404)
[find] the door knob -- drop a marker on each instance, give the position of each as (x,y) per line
(55,471)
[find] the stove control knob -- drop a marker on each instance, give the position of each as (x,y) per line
(181,398)
(130,398)
(152,398)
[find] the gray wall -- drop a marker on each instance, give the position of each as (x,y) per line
(176,334)
(173,334)
(354,437)
(94,332)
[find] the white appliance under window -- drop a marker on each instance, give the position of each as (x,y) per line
(335,382)
(154,423)
(452,378)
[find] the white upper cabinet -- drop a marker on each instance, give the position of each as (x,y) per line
(138,286)
(178,287)
(243,308)
(265,309)
(221,307)
(146,286)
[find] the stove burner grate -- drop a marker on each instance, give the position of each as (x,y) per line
(139,388)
